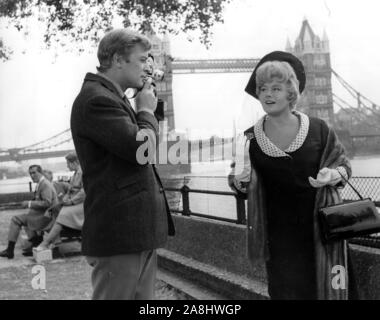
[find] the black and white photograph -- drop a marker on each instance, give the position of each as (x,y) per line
(183,154)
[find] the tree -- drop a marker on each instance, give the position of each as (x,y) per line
(84,21)
(5,52)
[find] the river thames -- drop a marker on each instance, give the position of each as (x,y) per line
(212,176)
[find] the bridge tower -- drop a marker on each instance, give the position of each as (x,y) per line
(161,52)
(314,52)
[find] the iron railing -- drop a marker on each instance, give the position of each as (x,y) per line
(12,187)
(369,187)
(185,190)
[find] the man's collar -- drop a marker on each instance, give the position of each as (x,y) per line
(39,181)
(110,85)
(107,82)
(116,85)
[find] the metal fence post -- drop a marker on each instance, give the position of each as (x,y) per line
(240,210)
(185,200)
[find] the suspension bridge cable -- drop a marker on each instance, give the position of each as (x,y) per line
(361,104)
(357,109)
(46,140)
(354,92)
(350,110)
(354,112)
(48,147)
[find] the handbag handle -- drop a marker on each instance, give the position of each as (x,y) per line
(353,188)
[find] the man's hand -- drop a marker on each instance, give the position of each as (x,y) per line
(325,177)
(146,99)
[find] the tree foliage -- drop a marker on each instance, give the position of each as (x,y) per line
(5,52)
(83,22)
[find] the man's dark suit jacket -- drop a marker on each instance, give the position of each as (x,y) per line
(125,207)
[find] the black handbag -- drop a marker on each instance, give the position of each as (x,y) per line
(349,219)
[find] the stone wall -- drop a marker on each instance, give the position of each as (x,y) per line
(222,246)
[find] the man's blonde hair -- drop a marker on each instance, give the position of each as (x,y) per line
(122,42)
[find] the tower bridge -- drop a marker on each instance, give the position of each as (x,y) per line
(214,65)
(317,99)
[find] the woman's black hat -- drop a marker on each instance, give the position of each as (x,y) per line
(278,56)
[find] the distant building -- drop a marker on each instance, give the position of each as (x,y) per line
(314,52)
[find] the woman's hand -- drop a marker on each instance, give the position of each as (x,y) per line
(240,185)
(239,181)
(325,177)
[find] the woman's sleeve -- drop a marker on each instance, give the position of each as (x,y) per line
(241,166)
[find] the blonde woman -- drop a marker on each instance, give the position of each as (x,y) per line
(71,213)
(294,165)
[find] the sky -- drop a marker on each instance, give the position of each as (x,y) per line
(37,88)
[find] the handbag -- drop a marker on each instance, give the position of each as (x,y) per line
(349,219)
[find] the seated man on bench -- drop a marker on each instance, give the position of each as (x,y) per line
(71,213)
(36,219)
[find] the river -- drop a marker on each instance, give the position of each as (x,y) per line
(212,176)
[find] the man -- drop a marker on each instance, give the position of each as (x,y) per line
(126,212)
(36,219)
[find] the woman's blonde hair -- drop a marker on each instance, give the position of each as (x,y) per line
(284,73)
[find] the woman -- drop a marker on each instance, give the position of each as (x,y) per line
(287,150)
(71,213)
